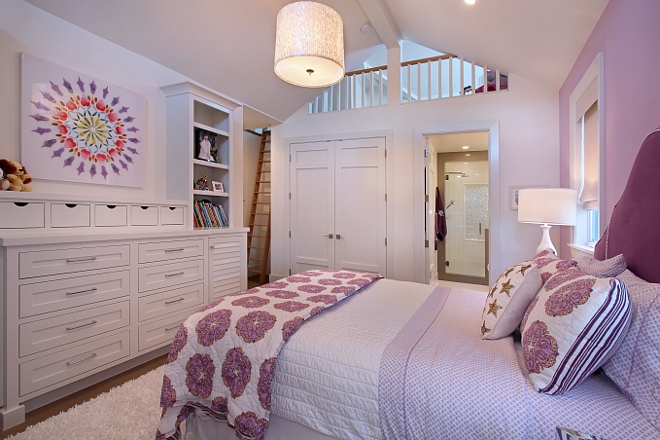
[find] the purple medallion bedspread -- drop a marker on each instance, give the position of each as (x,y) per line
(222,358)
(440,380)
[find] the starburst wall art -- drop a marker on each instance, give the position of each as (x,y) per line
(78,128)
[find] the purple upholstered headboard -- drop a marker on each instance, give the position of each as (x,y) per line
(634,228)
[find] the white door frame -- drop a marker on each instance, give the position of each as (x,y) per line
(494,196)
(389,177)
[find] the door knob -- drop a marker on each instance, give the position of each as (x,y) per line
(338,237)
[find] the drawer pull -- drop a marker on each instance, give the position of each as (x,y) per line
(170,275)
(167,251)
(69,364)
(81,326)
(172,328)
(93,289)
(80,260)
(167,303)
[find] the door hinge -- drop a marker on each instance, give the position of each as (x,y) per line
(386,154)
(289,234)
(386,197)
(426,243)
(289,196)
(289,158)
(426,153)
(385,241)
(426,198)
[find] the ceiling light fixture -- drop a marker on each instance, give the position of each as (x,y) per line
(470,2)
(309,45)
(365,28)
(466,147)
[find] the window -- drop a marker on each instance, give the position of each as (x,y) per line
(585,156)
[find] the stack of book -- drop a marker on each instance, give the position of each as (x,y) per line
(209,215)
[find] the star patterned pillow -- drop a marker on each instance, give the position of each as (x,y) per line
(508,300)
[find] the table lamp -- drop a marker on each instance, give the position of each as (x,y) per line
(547,207)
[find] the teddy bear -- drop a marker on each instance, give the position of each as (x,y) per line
(16,175)
(4,183)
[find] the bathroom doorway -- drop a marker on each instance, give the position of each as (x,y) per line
(460,201)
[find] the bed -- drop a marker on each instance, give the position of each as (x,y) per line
(395,360)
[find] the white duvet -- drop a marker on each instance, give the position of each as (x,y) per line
(331,384)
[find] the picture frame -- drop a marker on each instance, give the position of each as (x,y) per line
(218,186)
(205,148)
(513,194)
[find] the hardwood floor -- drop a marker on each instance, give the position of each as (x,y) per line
(82,396)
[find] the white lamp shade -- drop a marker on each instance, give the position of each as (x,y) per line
(551,206)
(309,45)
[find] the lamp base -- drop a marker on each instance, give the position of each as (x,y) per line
(546,243)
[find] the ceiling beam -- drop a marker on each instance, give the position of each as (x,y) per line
(381,19)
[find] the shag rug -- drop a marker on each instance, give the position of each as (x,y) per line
(127,412)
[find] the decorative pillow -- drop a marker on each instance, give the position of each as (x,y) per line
(574,325)
(549,264)
(602,269)
(508,300)
(635,367)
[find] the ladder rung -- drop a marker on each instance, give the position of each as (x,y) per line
(257,236)
(263,181)
(256,247)
(264,161)
(254,224)
(254,270)
(260,213)
(262,192)
(255,259)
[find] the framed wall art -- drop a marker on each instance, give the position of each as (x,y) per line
(78,128)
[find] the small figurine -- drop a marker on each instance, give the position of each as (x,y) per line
(203,182)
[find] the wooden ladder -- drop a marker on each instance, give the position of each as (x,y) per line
(260,230)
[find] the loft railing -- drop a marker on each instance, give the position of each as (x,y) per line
(358,89)
(447,76)
(443,76)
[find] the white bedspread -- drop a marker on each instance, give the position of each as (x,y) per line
(327,376)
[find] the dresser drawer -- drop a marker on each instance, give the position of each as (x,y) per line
(166,275)
(144,215)
(170,301)
(172,215)
(64,294)
(61,261)
(71,362)
(161,332)
(170,250)
(110,215)
(66,215)
(22,215)
(72,327)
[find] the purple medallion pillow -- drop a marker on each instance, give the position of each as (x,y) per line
(508,300)
(574,325)
(549,264)
(609,268)
(635,367)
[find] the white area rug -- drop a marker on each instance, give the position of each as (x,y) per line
(127,412)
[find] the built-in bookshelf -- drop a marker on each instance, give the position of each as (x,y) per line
(198,172)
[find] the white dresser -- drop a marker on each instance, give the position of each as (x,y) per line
(86,298)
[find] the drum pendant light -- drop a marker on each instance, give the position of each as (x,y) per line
(309,45)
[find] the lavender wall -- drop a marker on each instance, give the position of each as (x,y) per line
(628,33)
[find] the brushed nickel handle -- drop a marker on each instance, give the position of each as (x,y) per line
(93,355)
(167,303)
(80,260)
(172,328)
(167,251)
(170,275)
(338,237)
(93,289)
(81,326)
(327,236)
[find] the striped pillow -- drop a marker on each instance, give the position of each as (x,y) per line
(574,325)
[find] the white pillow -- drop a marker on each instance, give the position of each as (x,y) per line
(508,300)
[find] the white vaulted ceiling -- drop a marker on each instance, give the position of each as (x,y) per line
(228,45)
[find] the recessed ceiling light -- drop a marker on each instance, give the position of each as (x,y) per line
(470,2)
(465,163)
(466,147)
(365,28)
(467,155)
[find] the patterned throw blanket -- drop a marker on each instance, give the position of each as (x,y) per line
(223,357)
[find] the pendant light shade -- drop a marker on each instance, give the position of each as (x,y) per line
(309,45)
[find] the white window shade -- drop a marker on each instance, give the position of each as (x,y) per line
(590,160)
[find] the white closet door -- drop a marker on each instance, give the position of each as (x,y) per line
(312,206)
(360,206)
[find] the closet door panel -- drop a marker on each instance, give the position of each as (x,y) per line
(312,206)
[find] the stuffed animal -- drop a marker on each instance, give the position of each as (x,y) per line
(4,183)
(16,174)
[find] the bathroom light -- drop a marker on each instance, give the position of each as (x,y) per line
(465,147)
(309,45)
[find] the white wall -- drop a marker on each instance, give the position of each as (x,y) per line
(25,28)
(528,155)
